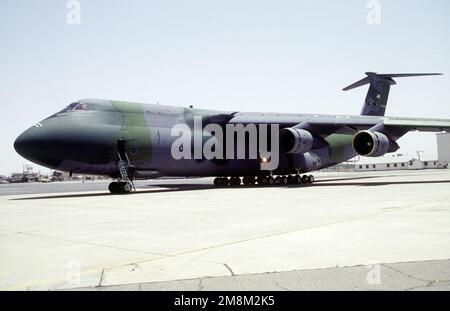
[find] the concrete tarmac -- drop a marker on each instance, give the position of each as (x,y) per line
(380,230)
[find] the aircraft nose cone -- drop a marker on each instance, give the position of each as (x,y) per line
(23,143)
(35,145)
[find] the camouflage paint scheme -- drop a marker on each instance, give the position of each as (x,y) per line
(85,141)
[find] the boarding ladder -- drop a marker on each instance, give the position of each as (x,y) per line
(124,169)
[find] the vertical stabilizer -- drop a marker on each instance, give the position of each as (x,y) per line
(378,93)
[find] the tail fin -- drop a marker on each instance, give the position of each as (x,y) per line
(380,84)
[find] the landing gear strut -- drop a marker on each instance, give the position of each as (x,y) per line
(125,184)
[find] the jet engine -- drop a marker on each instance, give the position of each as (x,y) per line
(373,144)
(295,140)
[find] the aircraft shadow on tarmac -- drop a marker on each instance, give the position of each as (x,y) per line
(195,187)
(164,188)
(385,183)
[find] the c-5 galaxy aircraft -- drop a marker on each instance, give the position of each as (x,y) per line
(127,141)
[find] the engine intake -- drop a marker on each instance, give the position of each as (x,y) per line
(372,144)
(295,140)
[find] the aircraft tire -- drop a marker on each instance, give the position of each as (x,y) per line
(120,187)
(126,187)
(262,180)
(225,181)
(220,181)
(235,181)
(113,187)
(291,179)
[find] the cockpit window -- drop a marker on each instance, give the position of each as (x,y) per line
(72,106)
(76,106)
(81,107)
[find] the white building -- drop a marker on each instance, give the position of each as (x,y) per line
(397,162)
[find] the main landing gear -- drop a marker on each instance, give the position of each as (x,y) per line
(263,180)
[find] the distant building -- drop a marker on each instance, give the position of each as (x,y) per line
(397,162)
(341,167)
(77,177)
(16,178)
(57,176)
(27,175)
(443,147)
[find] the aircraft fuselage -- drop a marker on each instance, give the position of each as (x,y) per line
(84,140)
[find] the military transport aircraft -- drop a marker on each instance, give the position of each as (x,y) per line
(127,141)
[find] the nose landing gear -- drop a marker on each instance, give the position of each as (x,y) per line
(125,183)
(120,187)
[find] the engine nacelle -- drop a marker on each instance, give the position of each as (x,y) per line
(372,144)
(295,140)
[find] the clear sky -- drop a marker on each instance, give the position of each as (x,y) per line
(252,55)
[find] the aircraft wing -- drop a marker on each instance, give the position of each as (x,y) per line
(326,125)
(400,124)
(419,124)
